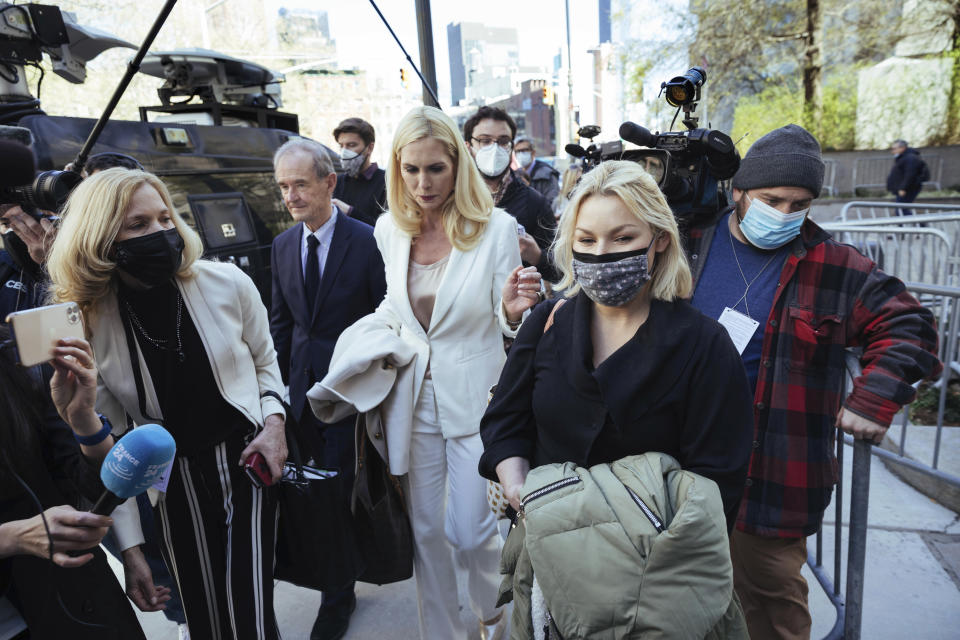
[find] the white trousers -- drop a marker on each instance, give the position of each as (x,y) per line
(451,522)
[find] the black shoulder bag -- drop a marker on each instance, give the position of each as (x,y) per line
(380,516)
(316,543)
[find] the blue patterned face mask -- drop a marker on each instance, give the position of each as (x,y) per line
(767,228)
(611,279)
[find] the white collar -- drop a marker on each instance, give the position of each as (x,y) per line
(325,232)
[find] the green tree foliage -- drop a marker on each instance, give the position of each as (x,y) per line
(782,104)
(794,46)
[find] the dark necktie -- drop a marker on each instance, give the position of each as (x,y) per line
(311,279)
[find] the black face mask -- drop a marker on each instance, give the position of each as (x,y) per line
(152,259)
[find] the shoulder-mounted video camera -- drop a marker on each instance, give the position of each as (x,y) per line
(687,165)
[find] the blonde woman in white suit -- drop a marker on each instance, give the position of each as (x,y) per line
(456,288)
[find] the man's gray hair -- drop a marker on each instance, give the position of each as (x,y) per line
(322,163)
(524,138)
(900,143)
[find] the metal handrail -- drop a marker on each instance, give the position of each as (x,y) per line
(895,205)
(849,605)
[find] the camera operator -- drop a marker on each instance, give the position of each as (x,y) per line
(49,473)
(793,300)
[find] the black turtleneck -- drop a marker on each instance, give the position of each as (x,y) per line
(193,408)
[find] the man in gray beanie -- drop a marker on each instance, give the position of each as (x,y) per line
(793,300)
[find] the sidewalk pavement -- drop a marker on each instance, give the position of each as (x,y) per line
(912,577)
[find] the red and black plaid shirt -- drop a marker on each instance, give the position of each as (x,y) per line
(829,297)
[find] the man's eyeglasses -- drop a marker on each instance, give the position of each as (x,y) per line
(486,141)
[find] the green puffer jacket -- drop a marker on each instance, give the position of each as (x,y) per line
(633,549)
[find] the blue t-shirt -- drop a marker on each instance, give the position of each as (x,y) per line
(721,285)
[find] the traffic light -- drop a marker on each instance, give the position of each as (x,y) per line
(403,77)
(547,95)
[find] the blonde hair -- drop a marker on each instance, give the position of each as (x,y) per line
(81,265)
(466,212)
(638,191)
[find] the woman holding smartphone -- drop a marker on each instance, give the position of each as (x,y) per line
(60,583)
(184,343)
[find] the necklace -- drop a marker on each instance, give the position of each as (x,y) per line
(162,345)
(743,298)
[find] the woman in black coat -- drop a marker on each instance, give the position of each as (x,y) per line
(66,590)
(623,365)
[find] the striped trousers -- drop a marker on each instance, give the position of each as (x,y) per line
(218,533)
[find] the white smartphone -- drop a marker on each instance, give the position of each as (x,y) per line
(36,331)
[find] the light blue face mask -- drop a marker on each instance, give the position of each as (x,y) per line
(767,228)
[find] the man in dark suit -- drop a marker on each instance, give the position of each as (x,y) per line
(327,273)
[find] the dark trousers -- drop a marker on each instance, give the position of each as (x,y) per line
(909,197)
(332,446)
(218,534)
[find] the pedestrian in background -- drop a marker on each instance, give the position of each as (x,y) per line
(907,174)
(489,135)
(361,190)
(543,177)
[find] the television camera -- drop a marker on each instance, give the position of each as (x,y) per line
(688,166)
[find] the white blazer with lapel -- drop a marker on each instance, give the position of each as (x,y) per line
(232,322)
(464,342)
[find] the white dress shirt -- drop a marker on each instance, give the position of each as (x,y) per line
(324,235)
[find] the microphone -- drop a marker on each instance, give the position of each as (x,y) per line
(575,150)
(134,464)
(641,136)
(16,164)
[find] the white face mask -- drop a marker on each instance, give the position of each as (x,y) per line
(492,160)
(524,158)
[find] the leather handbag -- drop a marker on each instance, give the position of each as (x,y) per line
(381,524)
(316,542)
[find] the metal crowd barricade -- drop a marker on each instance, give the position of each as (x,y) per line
(945,303)
(865,209)
(849,604)
(871,172)
(915,253)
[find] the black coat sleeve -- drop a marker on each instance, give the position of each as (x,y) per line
(72,472)
(376,276)
(281,320)
(718,425)
(911,172)
(508,427)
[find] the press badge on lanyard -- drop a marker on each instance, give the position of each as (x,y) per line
(740,327)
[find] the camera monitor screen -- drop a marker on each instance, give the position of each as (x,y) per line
(223,220)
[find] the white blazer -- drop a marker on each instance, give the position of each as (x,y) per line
(464,343)
(232,322)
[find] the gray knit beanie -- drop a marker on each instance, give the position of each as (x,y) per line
(785,157)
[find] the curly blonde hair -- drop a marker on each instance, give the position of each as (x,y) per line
(81,264)
(628,181)
(466,212)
